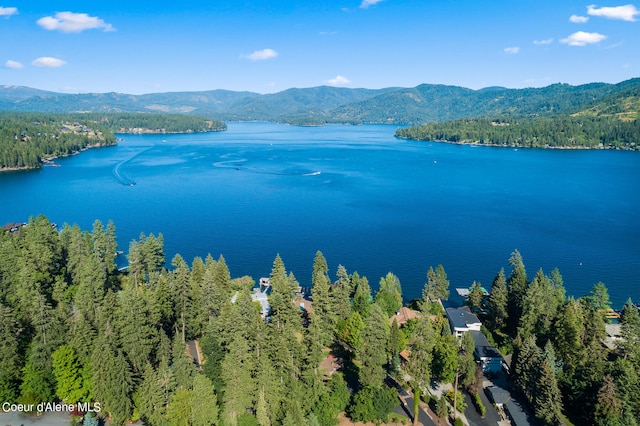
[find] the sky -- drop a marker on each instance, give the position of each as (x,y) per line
(141,47)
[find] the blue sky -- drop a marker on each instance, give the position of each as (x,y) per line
(268,46)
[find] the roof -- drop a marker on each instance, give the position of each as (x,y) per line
(483,348)
(462,318)
(516,413)
(498,395)
(403,315)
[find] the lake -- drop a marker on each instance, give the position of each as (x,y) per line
(368,201)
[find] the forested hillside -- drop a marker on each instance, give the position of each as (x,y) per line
(75,329)
(582,131)
(611,122)
(26,139)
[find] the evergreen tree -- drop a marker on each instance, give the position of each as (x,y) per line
(179,410)
(374,338)
(362,294)
(237,373)
(437,285)
(341,295)
(539,307)
(608,408)
(517,288)
(9,354)
(182,294)
(421,356)
(283,312)
(547,400)
(476,297)
(150,399)
(322,304)
(204,403)
(111,379)
(137,333)
(182,366)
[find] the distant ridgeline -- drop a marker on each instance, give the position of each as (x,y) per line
(29,139)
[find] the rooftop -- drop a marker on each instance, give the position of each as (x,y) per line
(484,349)
(462,318)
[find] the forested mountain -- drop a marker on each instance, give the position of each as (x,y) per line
(613,121)
(318,105)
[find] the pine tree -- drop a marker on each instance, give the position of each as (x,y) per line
(341,295)
(475,297)
(374,338)
(181,291)
(9,355)
(322,304)
(204,403)
(136,332)
(362,294)
(283,312)
(421,356)
(182,366)
(517,288)
(547,401)
(241,387)
(111,379)
(437,285)
(150,399)
(608,408)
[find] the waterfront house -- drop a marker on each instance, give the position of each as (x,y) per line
(462,320)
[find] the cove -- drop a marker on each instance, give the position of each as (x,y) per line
(367,200)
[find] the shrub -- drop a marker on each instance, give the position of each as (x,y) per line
(479,405)
(459,400)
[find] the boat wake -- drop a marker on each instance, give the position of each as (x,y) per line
(238,165)
(120,176)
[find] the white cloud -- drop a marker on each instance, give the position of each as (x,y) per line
(366,3)
(625,13)
(69,22)
(338,81)
(8,11)
(262,55)
(48,61)
(582,38)
(512,50)
(13,65)
(543,42)
(577,19)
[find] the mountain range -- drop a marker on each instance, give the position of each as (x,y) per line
(324,104)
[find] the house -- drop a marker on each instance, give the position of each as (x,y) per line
(486,356)
(260,297)
(462,320)
(403,315)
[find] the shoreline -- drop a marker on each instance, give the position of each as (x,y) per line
(495,145)
(49,159)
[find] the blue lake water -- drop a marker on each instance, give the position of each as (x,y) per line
(365,199)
